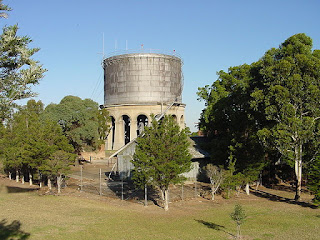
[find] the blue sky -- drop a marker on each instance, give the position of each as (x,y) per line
(209,36)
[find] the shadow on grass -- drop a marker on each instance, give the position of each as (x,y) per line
(11,189)
(12,231)
(277,198)
(127,191)
(214,226)
(286,188)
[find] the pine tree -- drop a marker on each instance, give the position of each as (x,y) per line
(239,216)
(161,156)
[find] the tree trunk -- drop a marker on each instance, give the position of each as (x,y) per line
(17,176)
(298,171)
(30,178)
(40,180)
(247,189)
(238,232)
(59,178)
(49,184)
(257,185)
(145,195)
(182,192)
(10,175)
(238,190)
(22,179)
(166,199)
(162,194)
(212,193)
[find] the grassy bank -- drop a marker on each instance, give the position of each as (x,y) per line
(79,217)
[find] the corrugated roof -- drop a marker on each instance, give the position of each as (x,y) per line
(194,149)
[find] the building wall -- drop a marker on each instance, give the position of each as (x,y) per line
(117,139)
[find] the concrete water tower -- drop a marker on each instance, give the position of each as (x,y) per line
(137,85)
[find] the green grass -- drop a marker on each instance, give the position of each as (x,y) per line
(66,217)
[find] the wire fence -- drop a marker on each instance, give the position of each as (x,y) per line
(94,179)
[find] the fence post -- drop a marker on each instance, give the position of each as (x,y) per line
(122,189)
(182,196)
(145,195)
(99,180)
(81,178)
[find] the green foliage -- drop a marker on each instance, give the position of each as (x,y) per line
(266,110)
(288,94)
(103,118)
(81,120)
(18,71)
(314,179)
(230,123)
(4,7)
(161,154)
(58,163)
(239,216)
(29,142)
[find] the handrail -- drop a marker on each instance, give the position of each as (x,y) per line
(142,50)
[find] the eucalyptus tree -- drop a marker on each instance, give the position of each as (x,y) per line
(215,175)
(266,109)
(287,92)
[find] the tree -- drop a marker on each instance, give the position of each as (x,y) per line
(231,125)
(287,92)
(81,120)
(58,165)
(268,110)
(161,156)
(18,71)
(215,174)
(4,8)
(30,142)
(239,216)
(314,179)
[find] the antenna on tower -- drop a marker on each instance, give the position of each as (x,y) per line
(103,45)
(102,53)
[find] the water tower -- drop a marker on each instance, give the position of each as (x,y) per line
(137,85)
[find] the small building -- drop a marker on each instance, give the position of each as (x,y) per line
(125,154)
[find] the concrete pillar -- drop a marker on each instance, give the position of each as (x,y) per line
(119,134)
(133,128)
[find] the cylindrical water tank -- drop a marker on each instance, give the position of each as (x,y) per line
(142,78)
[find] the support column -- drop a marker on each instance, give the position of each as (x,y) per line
(109,141)
(119,134)
(133,128)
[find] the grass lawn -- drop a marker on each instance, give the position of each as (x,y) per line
(85,217)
